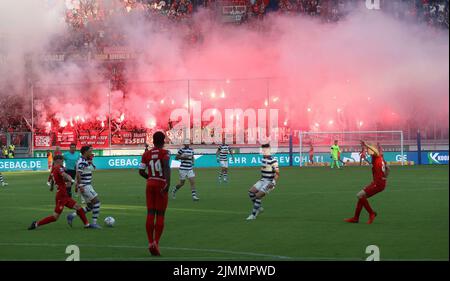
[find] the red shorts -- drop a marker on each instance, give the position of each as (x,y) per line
(64,201)
(157,199)
(374,188)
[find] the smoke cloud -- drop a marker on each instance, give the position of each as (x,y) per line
(367,71)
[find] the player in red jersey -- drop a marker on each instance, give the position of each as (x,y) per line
(57,152)
(2,180)
(61,179)
(363,156)
(380,149)
(157,162)
(380,172)
(311,154)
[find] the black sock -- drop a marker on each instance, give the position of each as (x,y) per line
(256,206)
(252,196)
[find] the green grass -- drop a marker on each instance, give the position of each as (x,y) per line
(302,218)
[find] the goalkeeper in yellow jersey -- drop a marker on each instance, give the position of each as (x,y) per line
(335,151)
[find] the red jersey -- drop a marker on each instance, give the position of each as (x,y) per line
(153,159)
(363,152)
(380,150)
(57,153)
(57,174)
(378,168)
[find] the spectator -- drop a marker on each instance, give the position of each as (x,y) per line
(11,151)
(49,160)
(5,152)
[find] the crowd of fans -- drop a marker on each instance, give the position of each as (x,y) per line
(92,22)
(94,26)
(91,125)
(7,151)
(82,13)
(12,114)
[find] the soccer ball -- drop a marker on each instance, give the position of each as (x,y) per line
(109,221)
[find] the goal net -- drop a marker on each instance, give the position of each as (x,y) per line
(315,146)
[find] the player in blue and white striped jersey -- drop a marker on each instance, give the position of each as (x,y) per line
(270,173)
(84,185)
(186,156)
(2,180)
(222,158)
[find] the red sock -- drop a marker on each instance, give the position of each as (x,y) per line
(46,220)
(359,206)
(49,178)
(159,228)
(82,216)
(150,226)
(366,205)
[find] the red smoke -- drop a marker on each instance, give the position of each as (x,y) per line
(367,71)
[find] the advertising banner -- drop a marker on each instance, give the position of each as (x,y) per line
(210,160)
(26,164)
(117,162)
(435,157)
(43,153)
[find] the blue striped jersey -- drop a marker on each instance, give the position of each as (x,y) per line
(224,151)
(85,171)
(186,165)
(268,168)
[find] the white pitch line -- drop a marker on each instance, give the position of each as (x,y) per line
(227,252)
(140,247)
(200,250)
(149,258)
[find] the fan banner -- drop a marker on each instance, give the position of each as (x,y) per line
(97,139)
(129,138)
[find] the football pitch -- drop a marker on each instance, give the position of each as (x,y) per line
(302,220)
